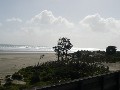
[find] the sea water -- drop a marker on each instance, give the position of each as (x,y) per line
(23,48)
(36,49)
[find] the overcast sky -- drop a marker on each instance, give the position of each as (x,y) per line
(87,23)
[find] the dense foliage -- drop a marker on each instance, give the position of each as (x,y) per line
(56,71)
(110,50)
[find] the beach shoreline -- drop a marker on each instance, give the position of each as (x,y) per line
(11,62)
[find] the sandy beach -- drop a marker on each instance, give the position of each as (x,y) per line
(12,62)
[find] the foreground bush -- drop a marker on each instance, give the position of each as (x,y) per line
(54,72)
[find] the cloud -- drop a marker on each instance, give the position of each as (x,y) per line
(14,20)
(42,28)
(47,18)
(47,25)
(45,29)
(98,24)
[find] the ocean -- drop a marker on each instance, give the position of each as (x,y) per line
(4,48)
(23,48)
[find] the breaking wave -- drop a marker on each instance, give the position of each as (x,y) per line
(29,48)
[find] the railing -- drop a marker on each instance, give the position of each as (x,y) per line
(109,81)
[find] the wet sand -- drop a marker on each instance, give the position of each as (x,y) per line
(12,62)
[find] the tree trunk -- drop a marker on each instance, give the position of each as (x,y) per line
(66,55)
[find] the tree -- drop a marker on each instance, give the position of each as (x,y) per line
(62,47)
(110,50)
(57,50)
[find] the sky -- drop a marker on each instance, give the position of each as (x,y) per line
(87,23)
